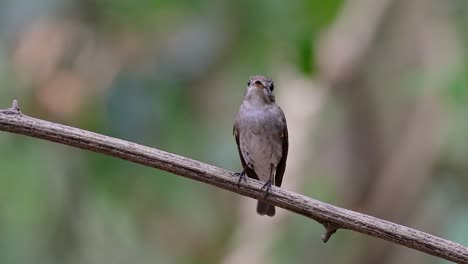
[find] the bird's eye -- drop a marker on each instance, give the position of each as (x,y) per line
(272,86)
(248,83)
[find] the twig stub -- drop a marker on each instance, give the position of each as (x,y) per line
(13,110)
(330,229)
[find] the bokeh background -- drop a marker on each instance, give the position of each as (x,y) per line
(375,93)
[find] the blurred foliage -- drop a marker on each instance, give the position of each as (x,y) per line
(152,71)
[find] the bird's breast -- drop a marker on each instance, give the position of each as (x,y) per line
(261,120)
(261,138)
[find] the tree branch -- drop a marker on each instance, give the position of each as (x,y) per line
(332,217)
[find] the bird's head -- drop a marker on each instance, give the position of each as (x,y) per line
(260,90)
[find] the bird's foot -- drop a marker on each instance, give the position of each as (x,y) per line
(242,177)
(267,187)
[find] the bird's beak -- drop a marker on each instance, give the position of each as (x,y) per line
(259,84)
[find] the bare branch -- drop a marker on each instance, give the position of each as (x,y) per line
(332,217)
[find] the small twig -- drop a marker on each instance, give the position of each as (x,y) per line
(336,217)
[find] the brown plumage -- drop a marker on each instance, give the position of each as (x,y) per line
(261,135)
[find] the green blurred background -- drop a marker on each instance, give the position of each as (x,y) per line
(375,94)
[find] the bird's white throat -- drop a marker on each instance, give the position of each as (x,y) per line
(256,97)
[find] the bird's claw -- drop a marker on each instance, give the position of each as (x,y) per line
(267,187)
(242,177)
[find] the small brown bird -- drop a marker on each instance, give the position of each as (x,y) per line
(262,137)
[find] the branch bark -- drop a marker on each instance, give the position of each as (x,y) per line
(332,217)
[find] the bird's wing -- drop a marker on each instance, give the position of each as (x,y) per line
(251,173)
(282,164)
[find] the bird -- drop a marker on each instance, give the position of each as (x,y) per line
(261,134)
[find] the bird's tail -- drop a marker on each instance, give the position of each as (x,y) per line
(265,209)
